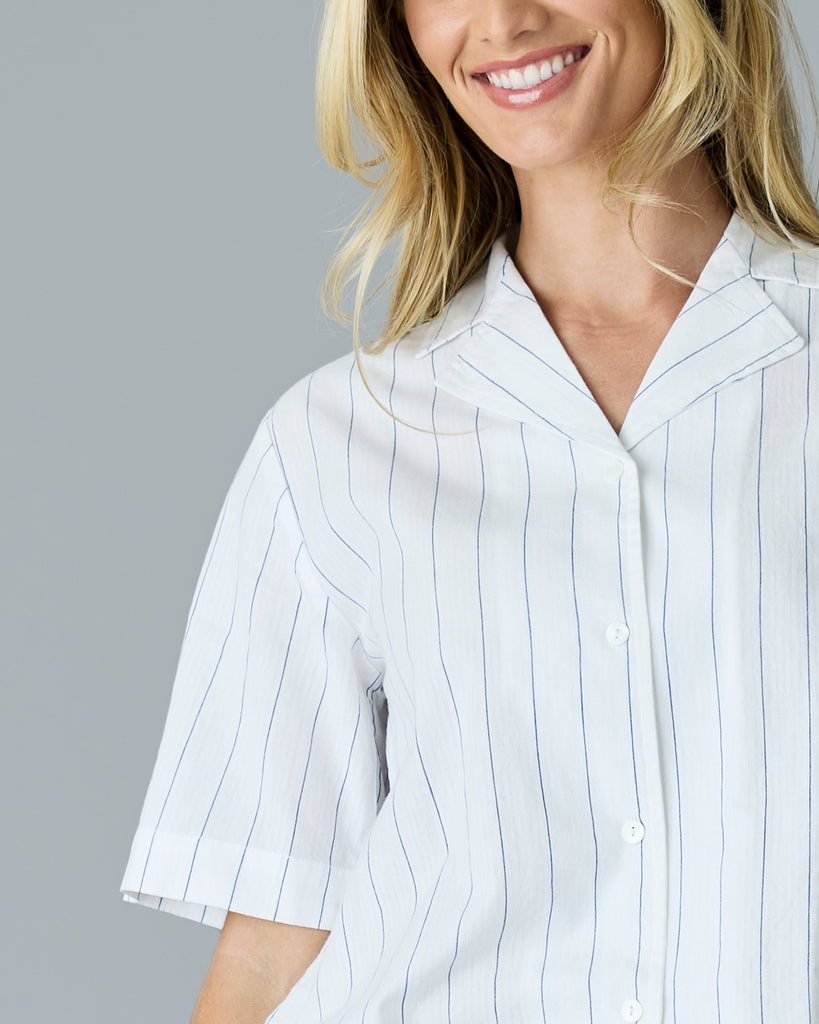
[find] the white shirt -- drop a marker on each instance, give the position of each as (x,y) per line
(526,713)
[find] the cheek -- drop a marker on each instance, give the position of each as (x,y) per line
(436,29)
(651,49)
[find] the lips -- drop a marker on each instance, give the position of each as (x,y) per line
(533,79)
(533,74)
(536,58)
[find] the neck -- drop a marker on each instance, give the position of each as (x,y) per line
(578,257)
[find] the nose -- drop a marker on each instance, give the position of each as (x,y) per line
(503,22)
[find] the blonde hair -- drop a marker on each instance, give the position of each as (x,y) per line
(447,197)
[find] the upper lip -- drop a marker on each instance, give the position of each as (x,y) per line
(536,57)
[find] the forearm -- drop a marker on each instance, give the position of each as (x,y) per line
(236,991)
(255,965)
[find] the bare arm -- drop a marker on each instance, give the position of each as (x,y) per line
(255,965)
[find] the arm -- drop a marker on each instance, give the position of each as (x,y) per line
(255,965)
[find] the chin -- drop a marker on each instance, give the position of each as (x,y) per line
(536,151)
(531,161)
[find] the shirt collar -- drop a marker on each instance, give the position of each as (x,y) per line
(494,347)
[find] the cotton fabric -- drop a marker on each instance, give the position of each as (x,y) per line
(522,710)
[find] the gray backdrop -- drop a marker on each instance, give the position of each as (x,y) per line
(165,217)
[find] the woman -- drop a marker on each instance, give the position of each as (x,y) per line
(497,697)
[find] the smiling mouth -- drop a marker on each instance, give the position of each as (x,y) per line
(531,75)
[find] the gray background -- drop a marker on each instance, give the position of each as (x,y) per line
(165,218)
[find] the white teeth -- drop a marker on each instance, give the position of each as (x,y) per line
(532,75)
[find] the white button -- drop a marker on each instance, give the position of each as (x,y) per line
(633,831)
(617,633)
(631,1010)
(614,470)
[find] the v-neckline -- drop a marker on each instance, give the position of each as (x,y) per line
(509,360)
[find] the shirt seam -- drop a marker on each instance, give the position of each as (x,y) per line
(321,577)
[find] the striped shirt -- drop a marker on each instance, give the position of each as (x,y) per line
(522,710)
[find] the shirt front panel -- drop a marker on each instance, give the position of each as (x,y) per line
(730,521)
(597,656)
(579,652)
(486,622)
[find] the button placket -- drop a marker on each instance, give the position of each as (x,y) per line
(651,864)
(616,486)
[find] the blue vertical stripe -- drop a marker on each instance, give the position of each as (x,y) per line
(438,633)
(631,735)
(392,520)
(680,903)
(811,973)
(488,727)
(762,702)
(319,491)
(713,609)
(535,722)
(585,738)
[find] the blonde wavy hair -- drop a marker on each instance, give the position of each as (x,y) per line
(447,197)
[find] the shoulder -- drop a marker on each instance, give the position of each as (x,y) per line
(360,399)
(771,259)
(352,394)
(324,391)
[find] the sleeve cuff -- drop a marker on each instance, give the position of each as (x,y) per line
(202,879)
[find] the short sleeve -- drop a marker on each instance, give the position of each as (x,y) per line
(271,768)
